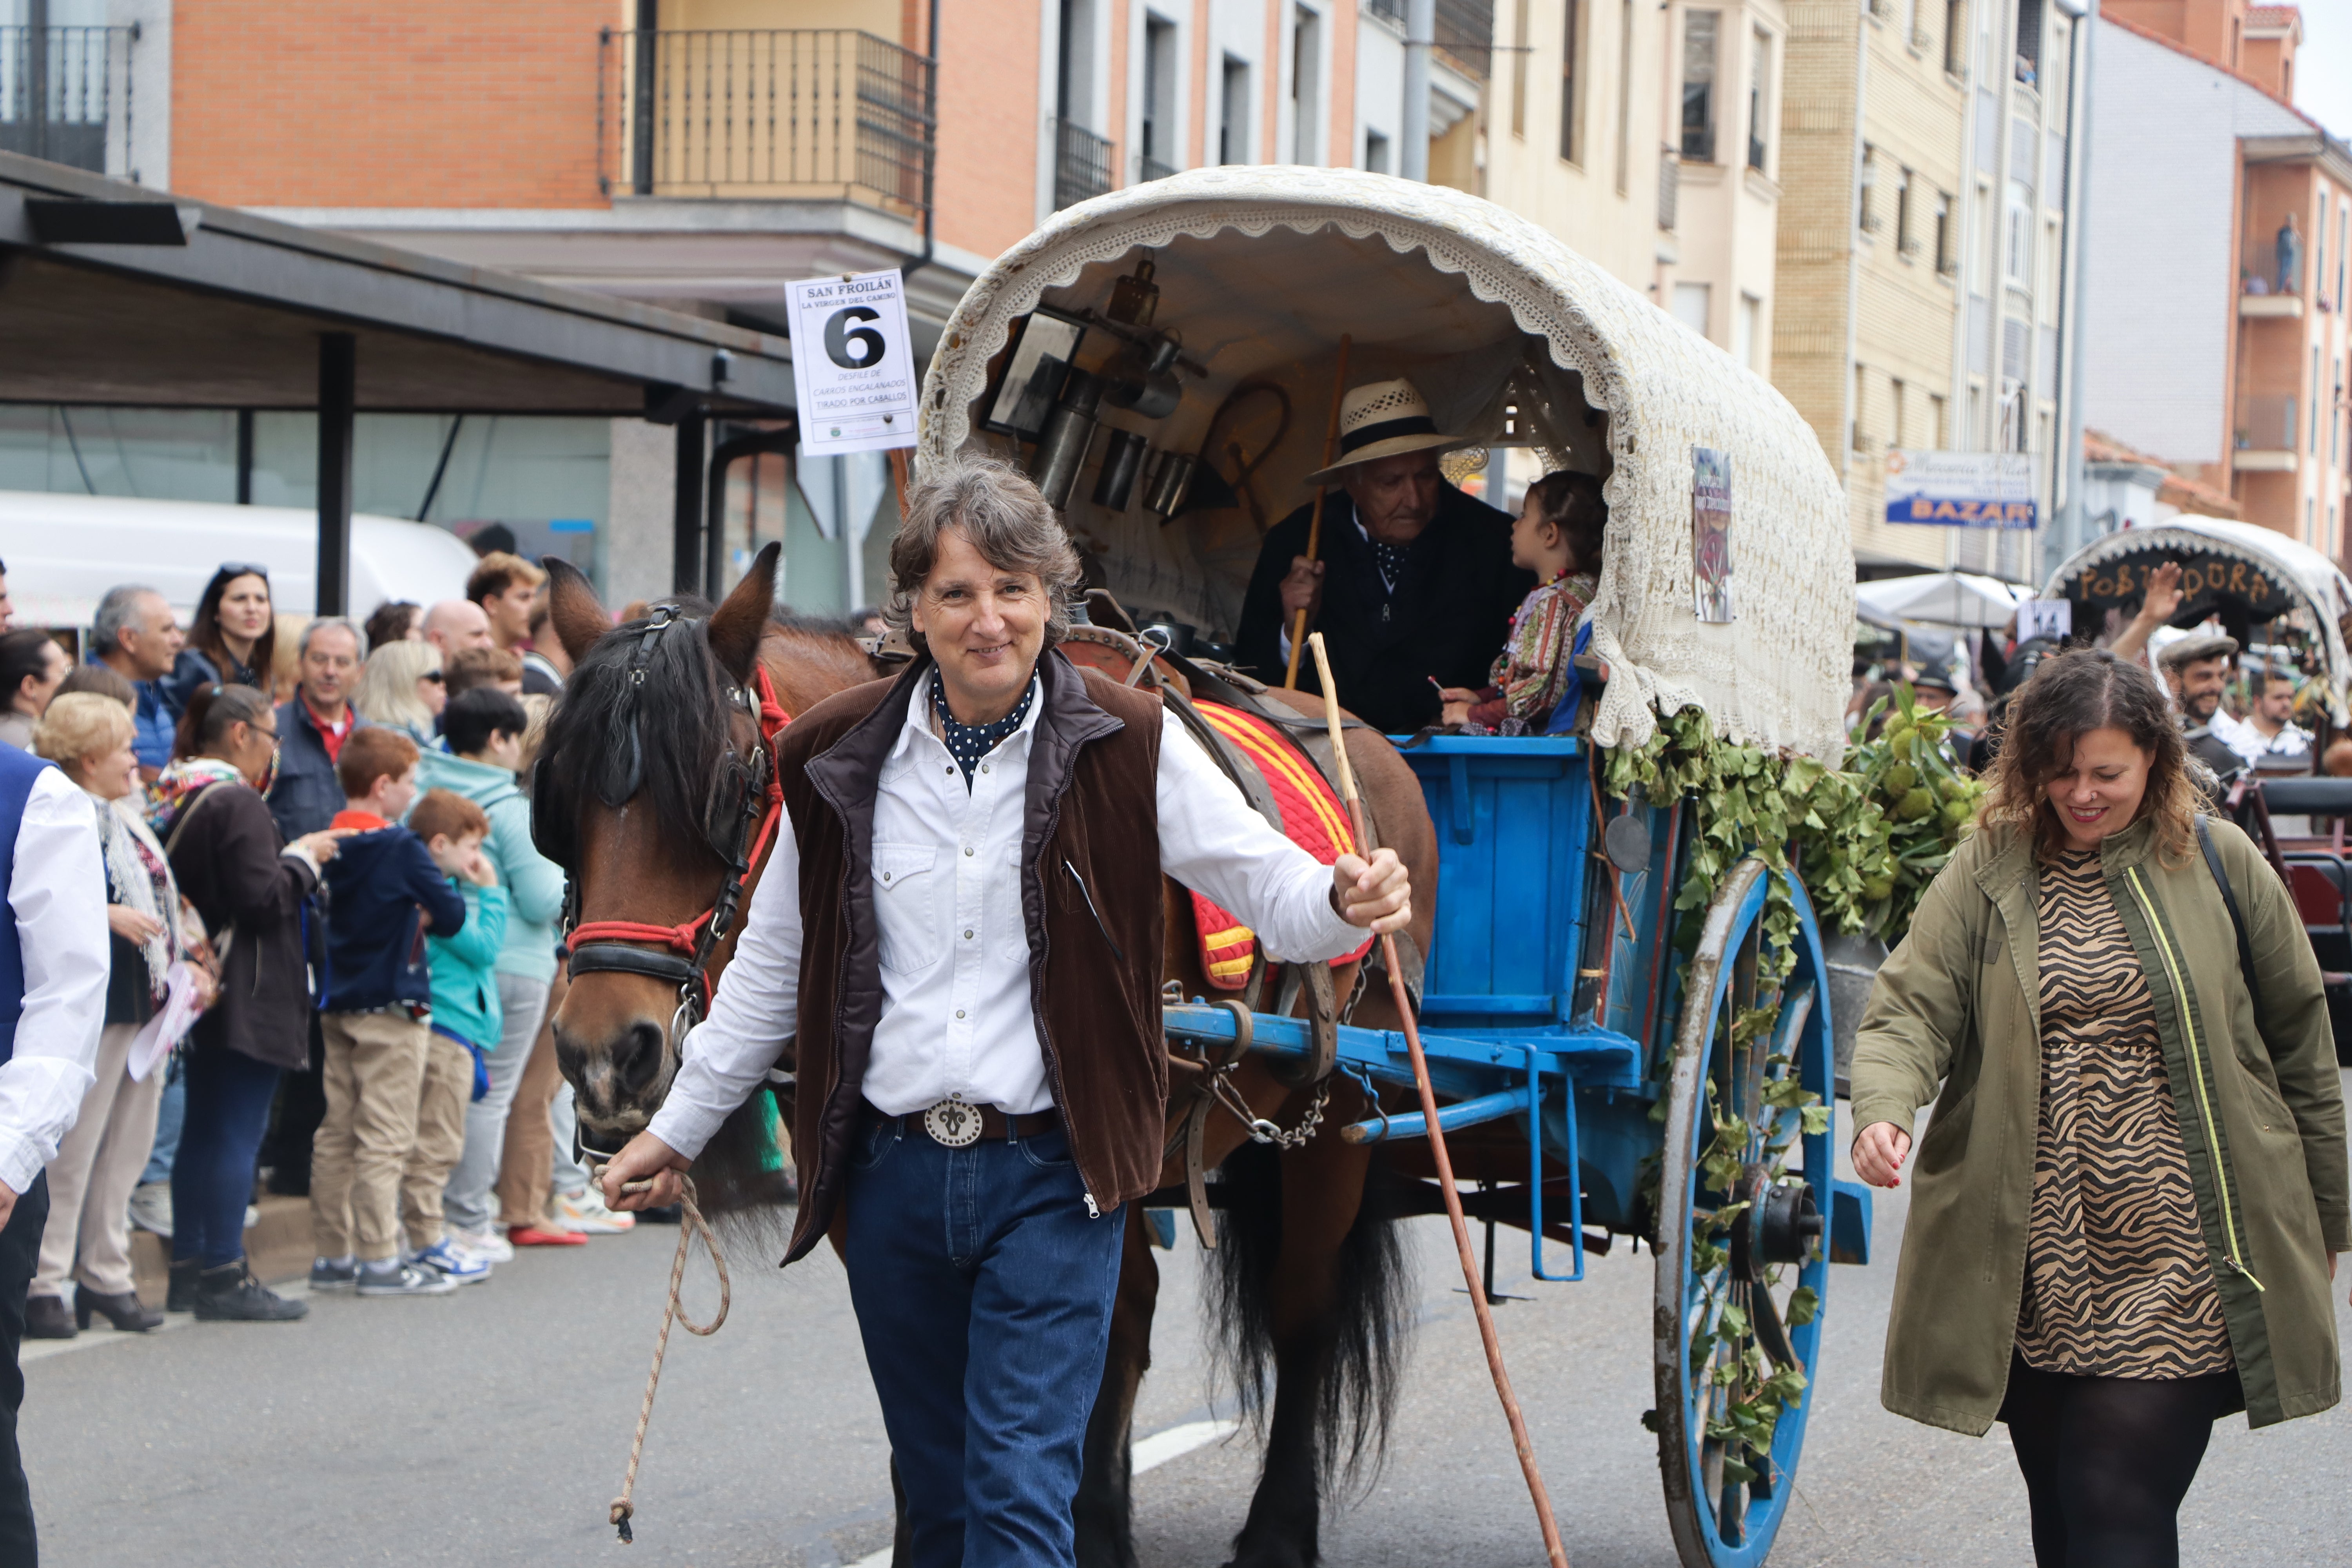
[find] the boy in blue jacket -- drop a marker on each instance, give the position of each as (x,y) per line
(384,892)
(465,1023)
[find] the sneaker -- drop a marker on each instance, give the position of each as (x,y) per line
(485,1244)
(230,1294)
(584,1212)
(452,1261)
(151,1208)
(543,1236)
(390,1278)
(334,1273)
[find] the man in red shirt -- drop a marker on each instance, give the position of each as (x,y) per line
(313,727)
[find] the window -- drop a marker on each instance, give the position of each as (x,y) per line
(1233,118)
(1897,394)
(2017,264)
(1948,259)
(1376,152)
(2314,400)
(2320,246)
(1520,69)
(1698,85)
(1571,80)
(1869,188)
(1073,79)
(1903,240)
(2029,42)
(1624,95)
(1305,99)
(1938,421)
(1747,333)
(1956,37)
(1859,440)
(2342,243)
(1158,131)
(1691,305)
(2335,425)
(1760,73)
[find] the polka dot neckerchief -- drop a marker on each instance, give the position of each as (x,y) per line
(967,744)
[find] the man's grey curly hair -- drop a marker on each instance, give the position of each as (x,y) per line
(1001,512)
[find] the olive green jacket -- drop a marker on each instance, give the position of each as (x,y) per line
(2261,1113)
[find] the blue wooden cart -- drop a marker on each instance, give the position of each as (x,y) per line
(1553,1001)
(1627,1072)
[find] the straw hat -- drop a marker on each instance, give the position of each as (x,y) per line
(1383,419)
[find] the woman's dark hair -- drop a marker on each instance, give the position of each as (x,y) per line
(391,621)
(204,633)
(215,711)
(1571,502)
(2072,694)
(473,717)
(23,654)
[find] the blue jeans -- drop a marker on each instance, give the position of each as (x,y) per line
(169,1113)
(228,1096)
(983,1294)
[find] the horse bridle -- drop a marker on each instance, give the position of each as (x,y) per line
(747,801)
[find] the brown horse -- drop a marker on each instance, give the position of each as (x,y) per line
(1309,1280)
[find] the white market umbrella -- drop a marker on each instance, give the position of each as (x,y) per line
(1938,599)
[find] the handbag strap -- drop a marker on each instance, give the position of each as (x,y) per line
(2237,920)
(187,810)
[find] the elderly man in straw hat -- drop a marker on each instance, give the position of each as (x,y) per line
(1411,584)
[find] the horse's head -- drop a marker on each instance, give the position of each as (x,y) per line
(652,794)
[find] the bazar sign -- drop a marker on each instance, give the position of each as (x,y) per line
(1960,489)
(852,365)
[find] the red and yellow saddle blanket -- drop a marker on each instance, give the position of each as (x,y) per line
(1312,817)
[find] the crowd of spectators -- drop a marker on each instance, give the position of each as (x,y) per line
(333,945)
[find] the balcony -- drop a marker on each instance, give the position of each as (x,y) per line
(1465,32)
(65,95)
(2269,279)
(774,114)
(2265,434)
(1082,165)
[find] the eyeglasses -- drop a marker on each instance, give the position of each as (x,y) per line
(270,734)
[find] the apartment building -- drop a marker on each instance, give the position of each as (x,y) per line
(2225,215)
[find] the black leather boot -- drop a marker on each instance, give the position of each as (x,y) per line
(46,1318)
(230,1294)
(124,1311)
(182,1296)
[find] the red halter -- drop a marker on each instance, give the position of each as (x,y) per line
(693,941)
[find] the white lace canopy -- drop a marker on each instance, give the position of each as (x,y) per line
(1261,271)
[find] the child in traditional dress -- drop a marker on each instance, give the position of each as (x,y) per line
(1558,536)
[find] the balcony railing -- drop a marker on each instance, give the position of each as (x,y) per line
(1465,30)
(1153,169)
(1082,165)
(766,114)
(2265,267)
(2267,422)
(1389,11)
(1670,185)
(65,95)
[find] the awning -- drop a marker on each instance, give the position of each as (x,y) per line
(114,294)
(1938,599)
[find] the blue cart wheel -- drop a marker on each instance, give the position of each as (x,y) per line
(1742,1268)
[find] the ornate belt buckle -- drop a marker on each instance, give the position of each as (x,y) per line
(953,1124)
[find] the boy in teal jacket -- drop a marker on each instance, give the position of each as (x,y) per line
(466,1020)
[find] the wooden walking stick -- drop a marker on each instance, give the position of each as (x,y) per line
(1315,518)
(1553,1550)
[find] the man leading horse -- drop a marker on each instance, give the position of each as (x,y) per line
(962,927)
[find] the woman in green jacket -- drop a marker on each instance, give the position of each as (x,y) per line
(2127,1208)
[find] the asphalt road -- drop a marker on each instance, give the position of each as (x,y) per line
(491,1427)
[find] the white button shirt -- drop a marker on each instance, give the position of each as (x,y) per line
(57,893)
(956,1017)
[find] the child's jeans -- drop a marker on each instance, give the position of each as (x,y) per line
(374,1079)
(440,1137)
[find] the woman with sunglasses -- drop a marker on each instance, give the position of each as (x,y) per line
(233,640)
(250,886)
(402,686)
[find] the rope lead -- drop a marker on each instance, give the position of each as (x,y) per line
(690,1224)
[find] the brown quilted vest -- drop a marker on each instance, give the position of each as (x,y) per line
(1091,814)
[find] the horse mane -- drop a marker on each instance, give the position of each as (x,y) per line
(605,736)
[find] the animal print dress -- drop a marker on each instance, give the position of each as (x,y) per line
(2118,1282)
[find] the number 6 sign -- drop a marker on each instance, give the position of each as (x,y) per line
(852,365)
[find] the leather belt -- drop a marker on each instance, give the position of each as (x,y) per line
(995,1124)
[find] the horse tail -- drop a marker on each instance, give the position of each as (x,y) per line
(742,1183)
(1363,1341)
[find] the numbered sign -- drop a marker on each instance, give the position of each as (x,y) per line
(852,364)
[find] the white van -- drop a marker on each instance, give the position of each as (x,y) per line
(64,551)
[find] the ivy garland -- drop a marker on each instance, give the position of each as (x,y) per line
(1868,838)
